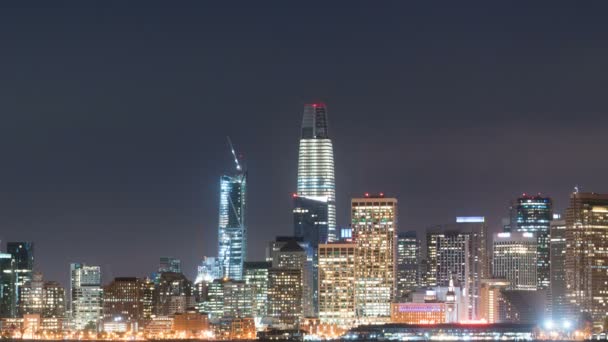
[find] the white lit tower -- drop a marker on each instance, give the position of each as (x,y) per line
(316,175)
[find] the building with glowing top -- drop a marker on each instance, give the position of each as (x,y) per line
(514,258)
(316,175)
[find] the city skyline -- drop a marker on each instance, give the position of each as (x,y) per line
(97,150)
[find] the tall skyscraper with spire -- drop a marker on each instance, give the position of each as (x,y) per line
(316,175)
(232,233)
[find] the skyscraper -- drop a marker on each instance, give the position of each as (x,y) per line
(559,303)
(8,298)
(256,277)
(587,254)
(374,222)
(316,177)
(170,264)
(533,214)
(514,259)
(458,251)
(23,263)
(125,299)
(408,260)
(311,225)
(86,296)
(232,234)
(336,276)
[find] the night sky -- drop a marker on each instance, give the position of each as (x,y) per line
(115,116)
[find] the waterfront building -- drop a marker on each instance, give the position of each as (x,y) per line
(46,299)
(514,259)
(419,313)
(316,175)
(408,261)
(560,307)
(491,299)
(457,251)
(336,277)
(533,214)
(374,223)
(587,255)
(85,296)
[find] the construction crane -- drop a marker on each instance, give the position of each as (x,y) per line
(236,159)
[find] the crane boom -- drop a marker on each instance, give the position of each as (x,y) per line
(236,160)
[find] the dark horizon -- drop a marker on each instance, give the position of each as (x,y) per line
(116,117)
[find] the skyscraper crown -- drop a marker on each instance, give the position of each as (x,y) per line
(314,121)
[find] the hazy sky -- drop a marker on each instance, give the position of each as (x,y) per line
(115,115)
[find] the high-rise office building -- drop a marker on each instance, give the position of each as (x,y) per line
(491,300)
(85,296)
(533,214)
(126,299)
(559,302)
(209,269)
(173,294)
(336,279)
(229,298)
(311,225)
(374,222)
(53,300)
(408,262)
(32,294)
(256,277)
(288,293)
(232,239)
(316,175)
(514,259)
(587,254)
(8,298)
(169,264)
(23,263)
(457,251)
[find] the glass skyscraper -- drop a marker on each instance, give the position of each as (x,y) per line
(232,235)
(310,224)
(533,214)
(316,178)
(408,260)
(23,263)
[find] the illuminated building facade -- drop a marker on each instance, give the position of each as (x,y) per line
(8,298)
(46,299)
(229,298)
(418,313)
(311,225)
(533,214)
(127,299)
(169,264)
(491,299)
(316,175)
(209,269)
(286,290)
(173,293)
(374,223)
(457,251)
(232,235)
(408,263)
(514,259)
(559,302)
(336,278)
(587,254)
(85,295)
(23,265)
(256,277)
